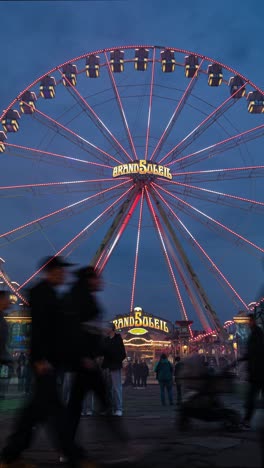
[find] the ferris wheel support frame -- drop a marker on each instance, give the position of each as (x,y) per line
(195,281)
(117,221)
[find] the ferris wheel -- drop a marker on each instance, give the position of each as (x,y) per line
(156,139)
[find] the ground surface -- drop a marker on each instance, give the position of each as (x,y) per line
(157,442)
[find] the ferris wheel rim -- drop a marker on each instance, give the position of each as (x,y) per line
(129,47)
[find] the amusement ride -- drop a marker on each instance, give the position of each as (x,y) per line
(142,136)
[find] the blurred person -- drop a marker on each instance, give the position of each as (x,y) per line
(255,362)
(21,377)
(88,405)
(136,374)
(28,376)
(144,373)
(44,405)
(164,373)
(114,355)
(5,357)
(177,371)
(128,375)
(204,401)
(88,347)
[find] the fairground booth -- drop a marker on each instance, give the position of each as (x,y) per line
(145,336)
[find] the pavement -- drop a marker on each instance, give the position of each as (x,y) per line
(156,441)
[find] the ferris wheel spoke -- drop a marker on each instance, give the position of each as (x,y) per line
(95,118)
(159,229)
(219,147)
(80,234)
(54,158)
(191,283)
(11,286)
(150,103)
(211,220)
(72,136)
(121,109)
(137,250)
(58,187)
(9,235)
(176,114)
(201,128)
(216,175)
(201,249)
(215,196)
(119,234)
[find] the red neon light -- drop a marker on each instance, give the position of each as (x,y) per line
(48,153)
(97,117)
(158,227)
(13,289)
(223,226)
(230,99)
(120,232)
(234,197)
(137,249)
(235,137)
(211,171)
(127,47)
(51,184)
(150,104)
(76,237)
(199,246)
(75,134)
(60,210)
(121,108)
(176,111)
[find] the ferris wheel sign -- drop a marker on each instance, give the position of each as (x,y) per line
(142,167)
(138,319)
(170,140)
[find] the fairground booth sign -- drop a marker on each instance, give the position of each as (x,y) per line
(144,335)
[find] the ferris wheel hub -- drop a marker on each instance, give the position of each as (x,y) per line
(142,169)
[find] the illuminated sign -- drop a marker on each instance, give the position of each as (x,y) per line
(142,167)
(139,321)
(138,331)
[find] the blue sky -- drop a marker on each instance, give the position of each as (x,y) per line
(41,35)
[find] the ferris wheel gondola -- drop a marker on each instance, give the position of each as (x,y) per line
(125,133)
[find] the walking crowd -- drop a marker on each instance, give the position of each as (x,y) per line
(76,361)
(69,337)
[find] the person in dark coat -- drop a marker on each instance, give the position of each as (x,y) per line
(114,355)
(136,374)
(164,372)
(128,375)
(144,373)
(255,361)
(88,347)
(4,355)
(44,405)
(177,376)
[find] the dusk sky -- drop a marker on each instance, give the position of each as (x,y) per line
(37,36)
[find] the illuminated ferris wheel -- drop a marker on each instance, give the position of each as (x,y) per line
(157,138)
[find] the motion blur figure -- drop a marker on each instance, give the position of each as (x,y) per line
(44,405)
(255,361)
(5,357)
(88,347)
(205,403)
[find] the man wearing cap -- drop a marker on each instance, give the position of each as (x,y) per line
(45,403)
